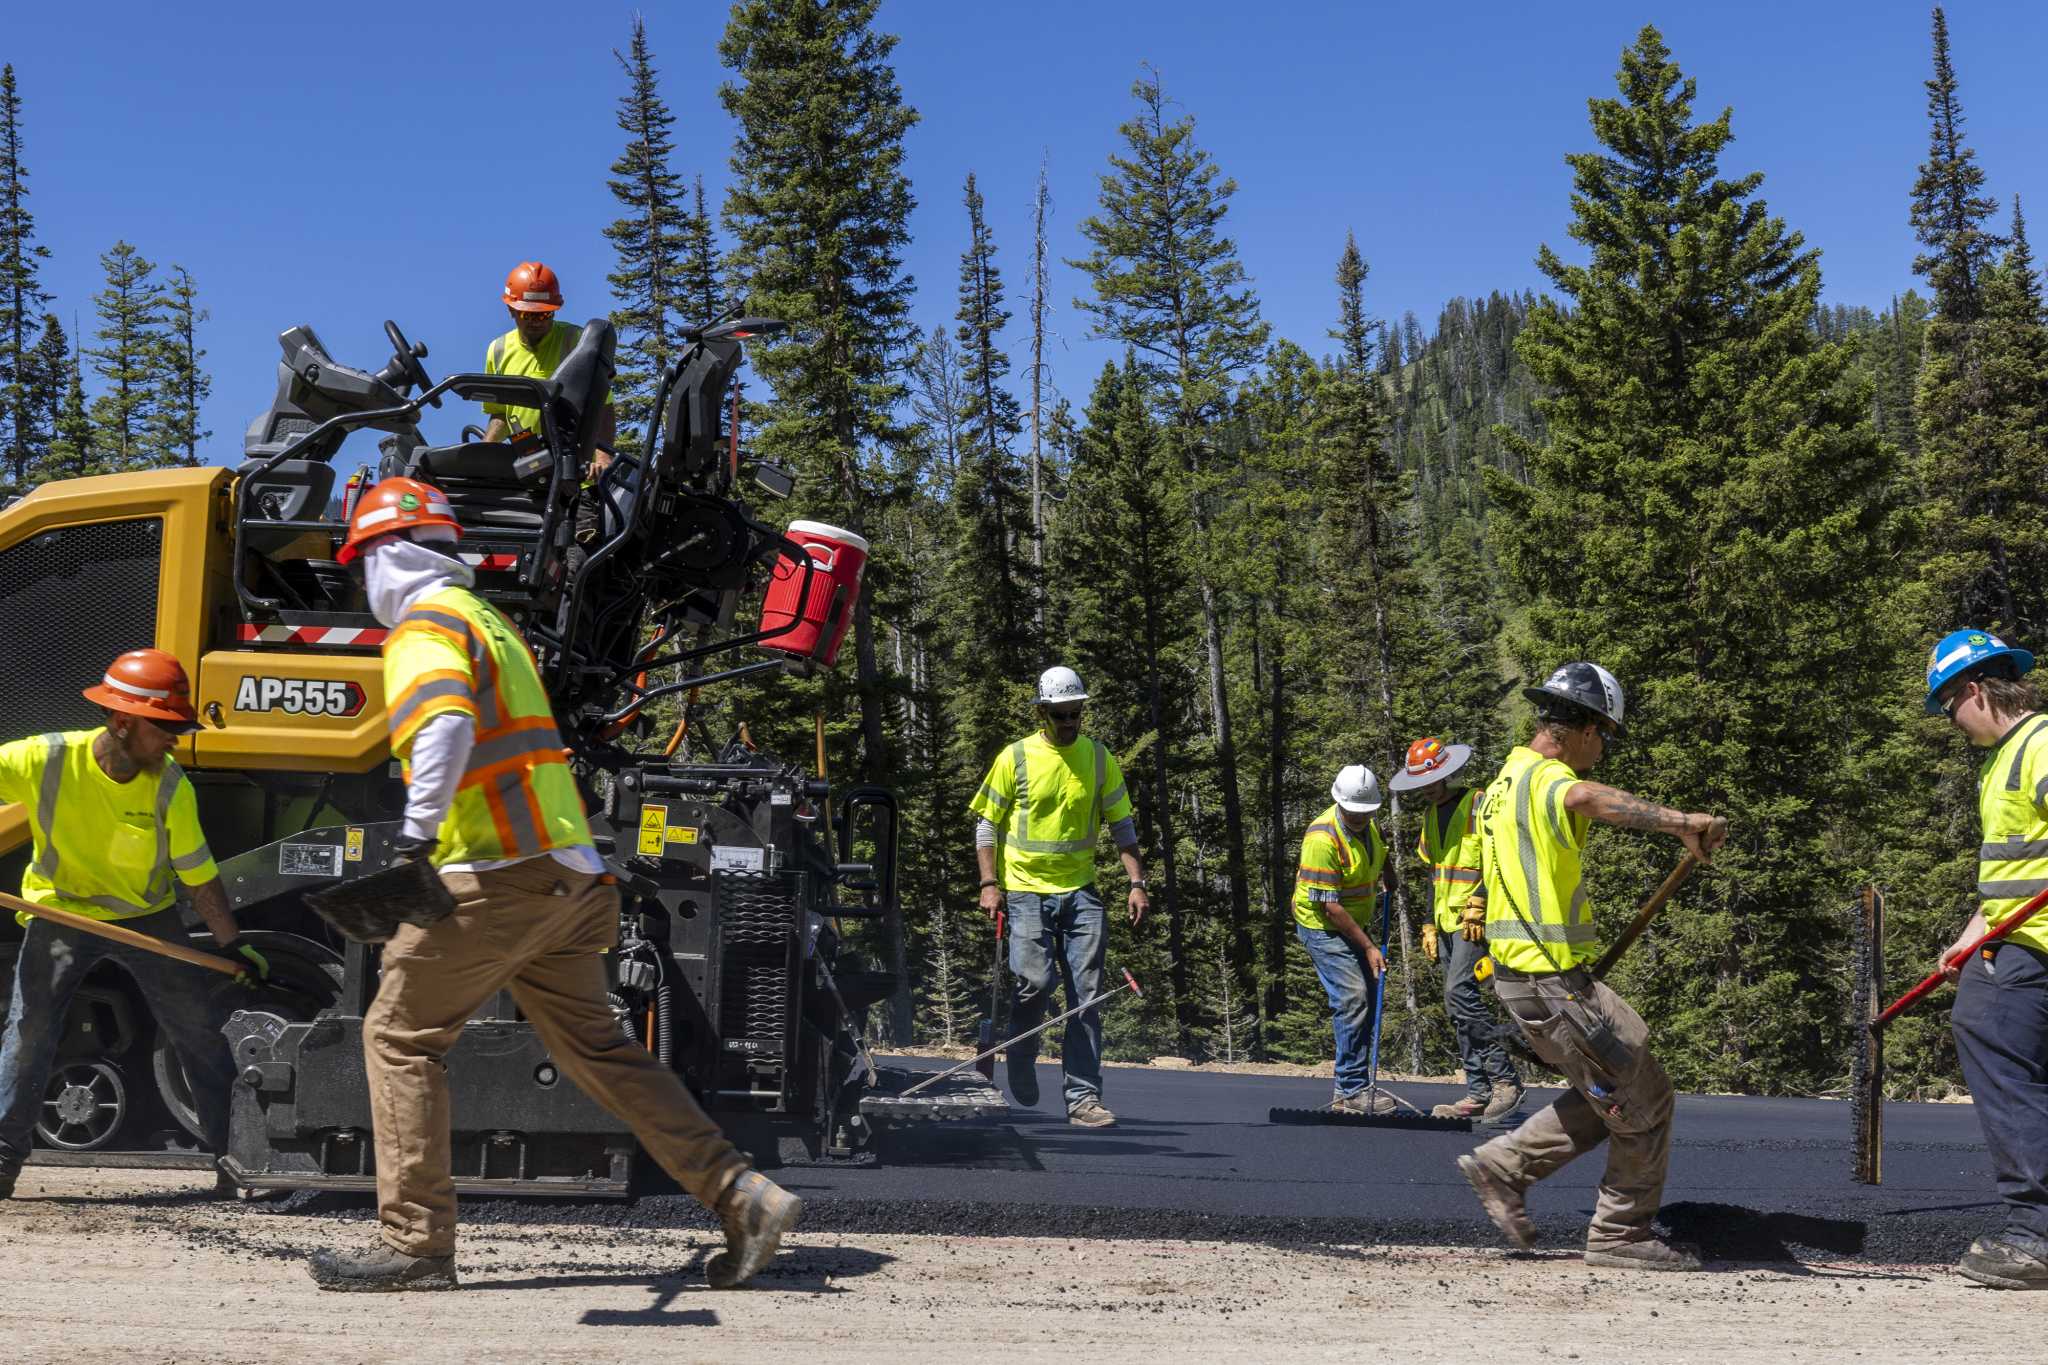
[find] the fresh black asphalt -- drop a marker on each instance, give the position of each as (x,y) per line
(1195,1157)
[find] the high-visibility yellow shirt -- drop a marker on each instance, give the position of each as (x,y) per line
(2012,805)
(1451,848)
(1337,865)
(455,653)
(1049,805)
(1532,848)
(510,354)
(104,849)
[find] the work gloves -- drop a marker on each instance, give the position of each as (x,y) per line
(258,968)
(1472,922)
(1429,941)
(404,850)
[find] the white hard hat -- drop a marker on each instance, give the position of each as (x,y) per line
(1060,684)
(1357,790)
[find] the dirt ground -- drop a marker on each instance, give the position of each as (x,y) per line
(138,1266)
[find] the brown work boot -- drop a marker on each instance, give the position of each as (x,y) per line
(1998,1263)
(1502,1103)
(1373,1102)
(1091,1113)
(756,1212)
(1649,1254)
(380,1270)
(1467,1108)
(1502,1202)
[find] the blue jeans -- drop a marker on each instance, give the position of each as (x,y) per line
(1349,987)
(1060,937)
(2000,1021)
(53,961)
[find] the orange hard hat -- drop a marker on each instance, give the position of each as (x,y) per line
(396,505)
(1429,761)
(533,288)
(147,683)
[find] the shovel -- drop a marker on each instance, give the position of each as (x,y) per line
(116,934)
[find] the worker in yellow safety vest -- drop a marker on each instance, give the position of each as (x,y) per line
(2000,1020)
(1039,814)
(1450,847)
(1534,820)
(115,830)
(1343,866)
(491,802)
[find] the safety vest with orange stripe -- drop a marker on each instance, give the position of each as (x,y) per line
(1452,848)
(1338,867)
(454,653)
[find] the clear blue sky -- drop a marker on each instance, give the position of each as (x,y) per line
(340,164)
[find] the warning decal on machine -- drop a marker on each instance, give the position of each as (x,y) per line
(309,860)
(355,845)
(653,826)
(733,858)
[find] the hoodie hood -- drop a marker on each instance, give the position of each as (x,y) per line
(399,570)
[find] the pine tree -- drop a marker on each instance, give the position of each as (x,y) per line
(649,240)
(48,372)
(1041,308)
(21,294)
(702,300)
(1168,284)
(182,384)
(73,452)
(819,210)
(1709,518)
(127,360)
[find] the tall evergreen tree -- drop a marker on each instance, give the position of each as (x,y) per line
(127,360)
(1708,517)
(1168,284)
(648,239)
(73,452)
(819,210)
(21,294)
(702,300)
(182,384)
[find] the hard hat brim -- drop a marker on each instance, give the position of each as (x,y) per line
(1360,807)
(167,714)
(1456,756)
(525,306)
(1539,695)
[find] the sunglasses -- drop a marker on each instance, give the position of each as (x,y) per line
(1954,703)
(1069,714)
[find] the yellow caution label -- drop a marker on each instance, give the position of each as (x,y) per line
(682,834)
(653,828)
(354,848)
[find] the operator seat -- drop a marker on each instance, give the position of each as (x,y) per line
(296,490)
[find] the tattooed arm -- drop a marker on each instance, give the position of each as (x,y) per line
(1700,833)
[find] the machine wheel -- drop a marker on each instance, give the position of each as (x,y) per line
(310,972)
(84,1107)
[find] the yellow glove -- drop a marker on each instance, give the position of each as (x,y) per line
(1472,922)
(1429,941)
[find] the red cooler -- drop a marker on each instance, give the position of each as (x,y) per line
(821,619)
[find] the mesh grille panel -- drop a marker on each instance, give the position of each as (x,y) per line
(75,597)
(757,922)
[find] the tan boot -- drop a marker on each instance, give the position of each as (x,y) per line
(1502,1104)
(1502,1202)
(1466,1108)
(756,1212)
(1648,1254)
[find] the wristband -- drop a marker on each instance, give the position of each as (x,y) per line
(987,884)
(1140,884)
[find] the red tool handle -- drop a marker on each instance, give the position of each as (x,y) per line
(1920,992)
(1132,982)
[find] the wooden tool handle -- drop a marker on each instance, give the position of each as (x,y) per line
(115,933)
(1646,914)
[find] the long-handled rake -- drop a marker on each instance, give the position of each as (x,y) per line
(1130,984)
(1866,1069)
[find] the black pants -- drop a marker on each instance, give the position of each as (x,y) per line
(2001,1029)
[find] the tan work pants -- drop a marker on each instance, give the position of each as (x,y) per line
(539,929)
(1628,1108)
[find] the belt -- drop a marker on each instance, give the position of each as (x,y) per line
(1576,977)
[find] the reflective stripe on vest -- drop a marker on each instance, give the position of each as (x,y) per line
(2013,869)
(1439,846)
(158,891)
(1020,837)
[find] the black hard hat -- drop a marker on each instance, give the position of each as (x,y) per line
(1587,686)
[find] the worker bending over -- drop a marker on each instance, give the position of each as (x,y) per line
(1534,820)
(491,804)
(115,828)
(1456,932)
(1343,864)
(1039,812)
(2000,1020)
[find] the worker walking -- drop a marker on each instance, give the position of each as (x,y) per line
(115,827)
(1039,813)
(1534,820)
(492,805)
(1450,847)
(1343,864)
(2000,1020)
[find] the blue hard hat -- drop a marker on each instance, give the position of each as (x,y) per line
(1962,650)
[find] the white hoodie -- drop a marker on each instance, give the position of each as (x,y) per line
(398,572)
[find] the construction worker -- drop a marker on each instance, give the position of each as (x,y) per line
(1039,812)
(533,348)
(1456,931)
(2000,1020)
(115,828)
(1534,820)
(492,805)
(1343,863)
